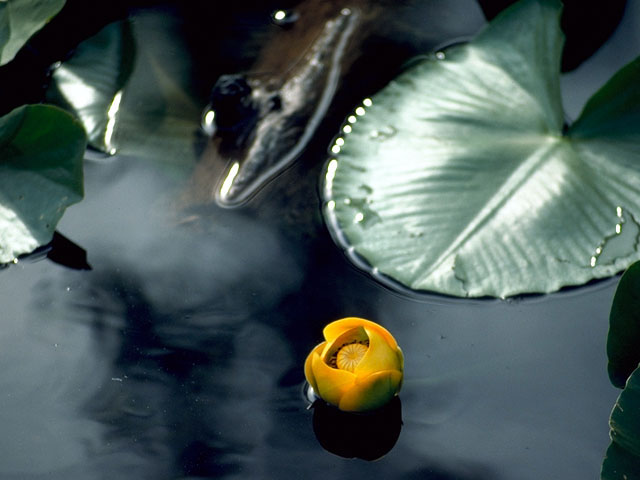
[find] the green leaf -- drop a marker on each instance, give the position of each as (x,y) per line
(458,178)
(19,19)
(41,150)
(90,83)
(623,339)
(622,460)
(613,111)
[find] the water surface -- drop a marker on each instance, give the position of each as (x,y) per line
(179,355)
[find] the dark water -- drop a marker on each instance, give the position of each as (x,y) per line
(180,354)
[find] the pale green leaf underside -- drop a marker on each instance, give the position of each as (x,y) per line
(458,179)
(19,20)
(41,150)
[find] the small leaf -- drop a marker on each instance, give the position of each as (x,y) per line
(622,461)
(41,150)
(614,110)
(457,178)
(19,20)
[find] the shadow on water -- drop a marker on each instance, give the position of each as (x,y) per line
(184,361)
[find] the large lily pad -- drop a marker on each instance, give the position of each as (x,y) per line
(19,20)
(41,150)
(459,177)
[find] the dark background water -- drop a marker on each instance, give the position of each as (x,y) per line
(179,355)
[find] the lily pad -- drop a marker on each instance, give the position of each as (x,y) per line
(622,460)
(41,150)
(19,20)
(461,178)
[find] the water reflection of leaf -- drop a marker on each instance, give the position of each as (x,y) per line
(474,190)
(134,73)
(89,83)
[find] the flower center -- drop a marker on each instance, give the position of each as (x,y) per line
(349,355)
(346,351)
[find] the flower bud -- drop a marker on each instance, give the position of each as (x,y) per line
(358,368)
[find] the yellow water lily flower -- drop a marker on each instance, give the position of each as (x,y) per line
(359,366)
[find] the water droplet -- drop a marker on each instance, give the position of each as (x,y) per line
(309,394)
(365,215)
(383,133)
(352,119)
(208,124)
(284,18)
(620,243)
(332,166)
(367,102)
(360,111)
(440,55)
(346,129)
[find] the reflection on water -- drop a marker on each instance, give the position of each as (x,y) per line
(355,435)
(180,354)
(276,108)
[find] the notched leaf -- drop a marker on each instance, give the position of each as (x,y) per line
(479,163)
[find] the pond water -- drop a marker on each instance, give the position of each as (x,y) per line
(180,354)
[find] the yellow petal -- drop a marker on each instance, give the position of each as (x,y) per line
(331,382)
(334,329)
(380,356)
(371,392)
(308,371)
